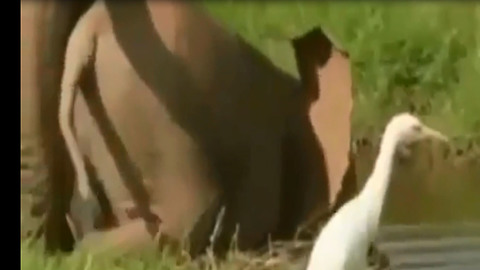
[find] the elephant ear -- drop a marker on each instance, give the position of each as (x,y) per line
(326,77)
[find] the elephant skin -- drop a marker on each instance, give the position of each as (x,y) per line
(198,115)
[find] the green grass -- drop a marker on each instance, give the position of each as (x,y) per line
(427,54)
(33,258)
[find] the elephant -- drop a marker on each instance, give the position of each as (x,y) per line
(171,100)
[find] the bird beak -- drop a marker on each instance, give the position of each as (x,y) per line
(429,132)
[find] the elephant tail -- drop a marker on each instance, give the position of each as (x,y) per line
(79,54)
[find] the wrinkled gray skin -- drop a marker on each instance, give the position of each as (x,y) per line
(199,114)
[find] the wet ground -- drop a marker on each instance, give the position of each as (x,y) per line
(451,247)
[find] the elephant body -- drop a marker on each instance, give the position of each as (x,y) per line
(199,112)
(205,119)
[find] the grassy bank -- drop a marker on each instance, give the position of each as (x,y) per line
(32,258)
(424,54)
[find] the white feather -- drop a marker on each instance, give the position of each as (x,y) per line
(343,242)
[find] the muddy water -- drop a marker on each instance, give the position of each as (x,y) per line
(435,184)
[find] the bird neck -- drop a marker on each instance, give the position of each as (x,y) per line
(375,189)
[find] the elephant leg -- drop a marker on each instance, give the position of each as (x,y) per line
(59,23)
(96,213)
(87,219)
(84,212)
(130,236)
(130,174)
(204,230)
(107,218)
(253,208)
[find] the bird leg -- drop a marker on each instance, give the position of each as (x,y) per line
(376,258)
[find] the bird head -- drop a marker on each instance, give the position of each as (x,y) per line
(405,129)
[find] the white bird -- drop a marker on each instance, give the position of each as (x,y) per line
(343,242)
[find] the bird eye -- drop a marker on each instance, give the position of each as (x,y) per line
(417,128)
